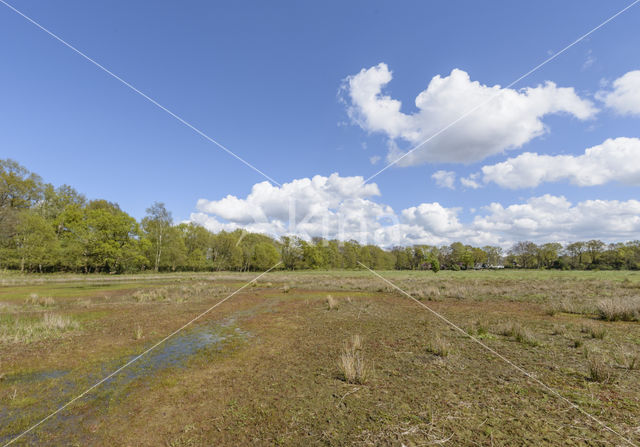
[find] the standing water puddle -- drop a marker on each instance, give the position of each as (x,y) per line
(54,388)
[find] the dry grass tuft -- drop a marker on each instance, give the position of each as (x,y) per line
(594,331)
(332,303)
(178,294)
(619,309)
(25,330)
(143,296)
(438,346)
(520,334)
(286,288)
(480,329)
(429,293)
(628,358)
(58,322)
(567,306)
(352,364)
(458,292)
(138,332)
(598,369)
(356,342)
(44,301)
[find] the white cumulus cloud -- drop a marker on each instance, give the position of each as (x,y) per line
(552,218)
(306,196)
(507,119)
(624,97)
(445,179)
(615,159)
(331,206)
(435,217)
(344,208)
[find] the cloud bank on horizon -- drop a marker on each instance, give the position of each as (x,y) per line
(345,208)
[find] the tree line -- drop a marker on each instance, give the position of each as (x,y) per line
(56,229)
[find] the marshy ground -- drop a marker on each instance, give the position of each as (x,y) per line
(321,358)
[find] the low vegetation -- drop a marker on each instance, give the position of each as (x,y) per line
(138,333)
(438,346)
(620,309)
(353,366)
(16,329)
(287,369)
(628,358)
(519,333)
(598,369)
(593,330)
(43,301)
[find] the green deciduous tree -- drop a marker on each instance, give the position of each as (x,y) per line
(34,242)
(156,227)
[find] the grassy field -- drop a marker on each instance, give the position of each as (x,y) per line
(321,358)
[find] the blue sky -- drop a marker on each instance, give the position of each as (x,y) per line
(264,79)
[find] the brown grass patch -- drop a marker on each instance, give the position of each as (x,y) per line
(332,303)
(438,346)
(353,366)
(44,301)
(619,309)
